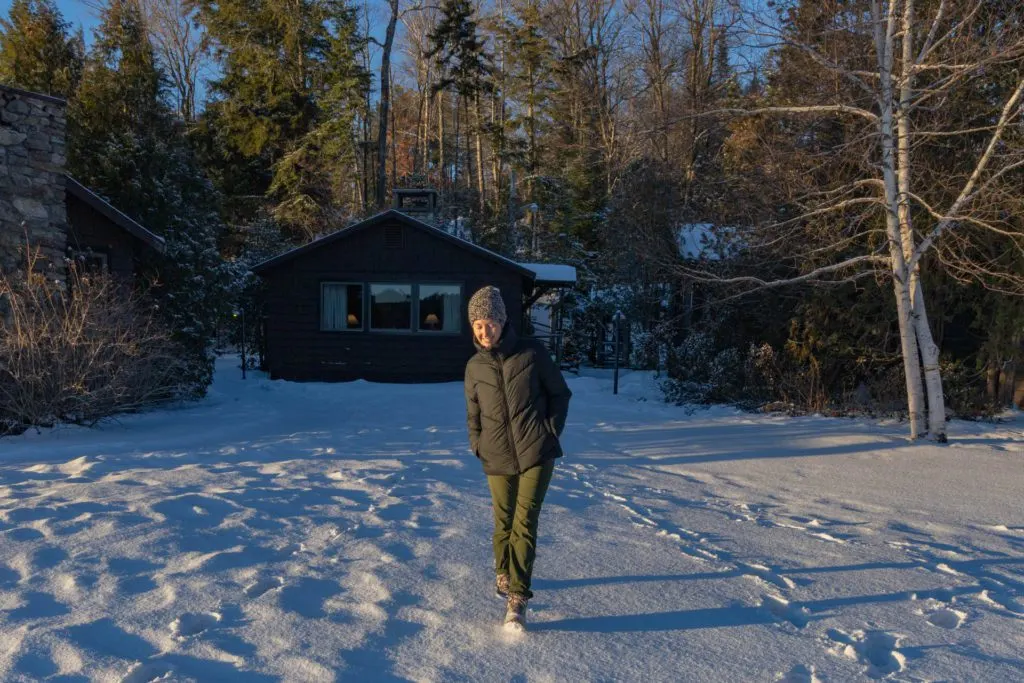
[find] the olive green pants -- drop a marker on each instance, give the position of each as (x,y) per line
(516,501)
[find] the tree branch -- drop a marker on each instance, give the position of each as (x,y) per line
(812,109)
(968,191)
(758,283)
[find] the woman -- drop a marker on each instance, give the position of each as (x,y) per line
(516,404)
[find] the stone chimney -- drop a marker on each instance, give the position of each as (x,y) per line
(32,205)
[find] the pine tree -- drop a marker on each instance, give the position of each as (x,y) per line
(280,125)
(125,143)
(464,65)
(37,52)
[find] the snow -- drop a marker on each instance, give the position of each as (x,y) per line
(321,532)
(706,241)
(552,272)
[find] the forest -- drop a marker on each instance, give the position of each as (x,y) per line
(808,205)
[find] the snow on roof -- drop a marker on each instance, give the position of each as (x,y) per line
(553,272)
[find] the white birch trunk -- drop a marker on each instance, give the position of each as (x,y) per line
(919,315)
(932,374)
(884,42)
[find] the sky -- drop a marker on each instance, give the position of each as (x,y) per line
(85,15)
(78,13)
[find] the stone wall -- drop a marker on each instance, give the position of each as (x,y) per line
(32,181)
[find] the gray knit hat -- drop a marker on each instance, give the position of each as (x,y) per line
(487,304)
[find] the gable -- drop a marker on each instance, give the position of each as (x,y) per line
(392,242)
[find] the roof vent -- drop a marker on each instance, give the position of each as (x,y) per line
(393,237)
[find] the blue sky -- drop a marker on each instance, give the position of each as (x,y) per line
(74,11)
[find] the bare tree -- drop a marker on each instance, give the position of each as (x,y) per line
(385,101)
(182,46)
(896,80)
(417,30)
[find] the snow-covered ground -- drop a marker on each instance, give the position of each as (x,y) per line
(315,532)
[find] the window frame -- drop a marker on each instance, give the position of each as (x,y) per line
(362,307)
(416,299)
(366,307)
(412,307)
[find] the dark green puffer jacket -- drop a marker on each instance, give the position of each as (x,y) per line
(516,405)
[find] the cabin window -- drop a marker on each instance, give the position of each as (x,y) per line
(391,307)
(341,306)
(440,308)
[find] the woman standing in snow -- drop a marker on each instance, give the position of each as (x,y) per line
(516,405)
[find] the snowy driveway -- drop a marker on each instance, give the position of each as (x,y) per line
(310,532)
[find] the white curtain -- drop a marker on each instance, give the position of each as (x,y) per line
(452,312)
(334,307)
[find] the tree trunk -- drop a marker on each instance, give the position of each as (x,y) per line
(418,150)
(384,106)
(440,137)
(479,157)
(932,374)
(497,170)
(394,144)
(919,315)
(456,155)
(900,274)
(992,381)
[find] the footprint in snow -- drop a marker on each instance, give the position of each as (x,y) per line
(148,673)
(798,674)
(878,651)
(780,608)
(996,594)
(947,618)
(193,624)
(264,585)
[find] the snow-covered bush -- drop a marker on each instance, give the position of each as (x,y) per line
(700,373)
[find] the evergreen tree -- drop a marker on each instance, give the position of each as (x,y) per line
(529,75)
(280,125)
(464,65)
(459,50)
(125,143)
(37,52)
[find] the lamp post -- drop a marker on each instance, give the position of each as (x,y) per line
(617,318)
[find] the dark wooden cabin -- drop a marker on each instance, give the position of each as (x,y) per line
(383,300)
(103,238)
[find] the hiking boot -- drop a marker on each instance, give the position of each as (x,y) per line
(501,586)
(515,613)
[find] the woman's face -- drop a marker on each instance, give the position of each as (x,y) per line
(487,332)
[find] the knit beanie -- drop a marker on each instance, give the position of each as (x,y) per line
(487,304)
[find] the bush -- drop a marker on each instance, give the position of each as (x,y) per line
(699,373)
(80,353)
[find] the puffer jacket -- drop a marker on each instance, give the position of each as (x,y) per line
(516,404)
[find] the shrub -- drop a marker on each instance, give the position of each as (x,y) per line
(82,352)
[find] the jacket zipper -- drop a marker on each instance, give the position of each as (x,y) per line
(508,415)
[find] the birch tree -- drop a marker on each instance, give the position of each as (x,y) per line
(888,73)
